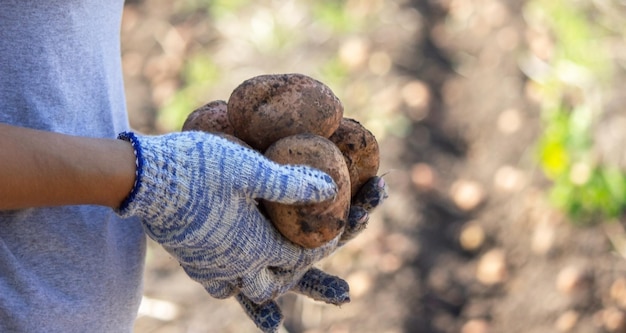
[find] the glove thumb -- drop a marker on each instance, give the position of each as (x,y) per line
(292,184)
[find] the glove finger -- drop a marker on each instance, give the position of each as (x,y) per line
(249,171)
(323,287)
(266,316)
(219,289)
(269,283)
(291,184)
(357,222)
(371,194)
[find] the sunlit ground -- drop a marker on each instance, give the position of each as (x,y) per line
(502,128)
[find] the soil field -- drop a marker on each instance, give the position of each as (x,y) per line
(466,241)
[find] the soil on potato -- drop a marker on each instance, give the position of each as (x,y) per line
(266,108)
(466,241)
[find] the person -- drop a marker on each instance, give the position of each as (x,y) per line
(79,190)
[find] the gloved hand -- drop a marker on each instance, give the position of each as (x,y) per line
(195,193)
(315,283)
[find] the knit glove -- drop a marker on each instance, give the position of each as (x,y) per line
(315,283)
(196,196)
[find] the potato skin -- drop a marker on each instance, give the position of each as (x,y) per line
(360,150)
(232,138)
(295,120)
(311,225)
(267,108)
(211,117)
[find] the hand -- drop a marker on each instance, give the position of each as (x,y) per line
(315,283)
(196,195)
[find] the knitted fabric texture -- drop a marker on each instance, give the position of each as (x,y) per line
(195,193)
(315,283)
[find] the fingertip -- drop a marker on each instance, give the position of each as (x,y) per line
(266,316)
(303,184)
(295,184)
(337,291)
(328,179)
(324,186)
(321,286)
(382,185)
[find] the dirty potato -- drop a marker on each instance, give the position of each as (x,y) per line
(360,150)
(267,108)
(311,225)
(211,117)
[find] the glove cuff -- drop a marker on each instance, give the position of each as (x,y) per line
(124,209)
(159,191)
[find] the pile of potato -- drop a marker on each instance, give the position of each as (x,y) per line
(295,119)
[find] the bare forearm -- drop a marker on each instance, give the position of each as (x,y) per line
(40,168)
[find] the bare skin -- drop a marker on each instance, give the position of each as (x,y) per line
(39,168)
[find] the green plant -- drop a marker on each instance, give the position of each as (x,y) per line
(572,87)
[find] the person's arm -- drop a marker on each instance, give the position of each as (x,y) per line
(39,168)
(196,194)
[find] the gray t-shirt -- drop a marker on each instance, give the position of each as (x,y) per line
(73,268)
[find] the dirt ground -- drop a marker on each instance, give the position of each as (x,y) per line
(466,241)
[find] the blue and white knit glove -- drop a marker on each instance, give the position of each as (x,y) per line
(315,283)
(195,193)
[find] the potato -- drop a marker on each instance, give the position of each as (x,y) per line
(360,150)
(311,225)
(211,117)
(267,108)
(297,120)
(232,138)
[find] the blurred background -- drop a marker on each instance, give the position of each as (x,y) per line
(502,130)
